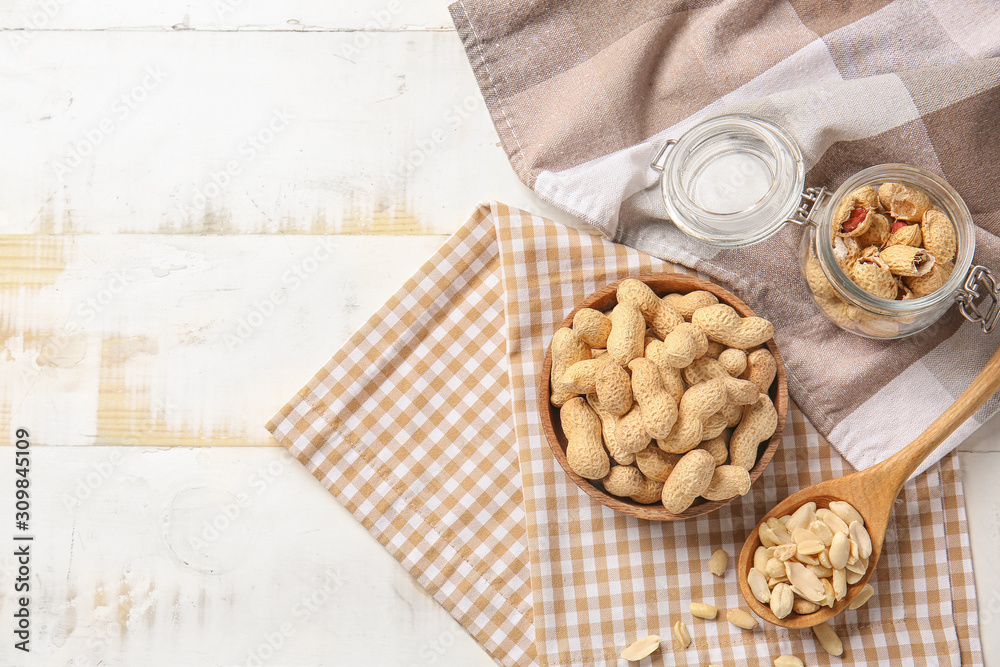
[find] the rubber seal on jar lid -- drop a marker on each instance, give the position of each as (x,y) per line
(732,180)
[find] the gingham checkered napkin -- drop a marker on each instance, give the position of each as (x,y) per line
(425,427)
(583,94)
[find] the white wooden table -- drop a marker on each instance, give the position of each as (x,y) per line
(200,203)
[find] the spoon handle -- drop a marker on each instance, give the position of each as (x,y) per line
(902,464)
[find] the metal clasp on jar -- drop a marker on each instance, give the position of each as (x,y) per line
(658,161)
(982,307)
(811,202)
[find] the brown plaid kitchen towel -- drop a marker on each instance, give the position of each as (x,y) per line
(583,94)
(425,427)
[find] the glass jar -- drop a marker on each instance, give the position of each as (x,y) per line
(736,180)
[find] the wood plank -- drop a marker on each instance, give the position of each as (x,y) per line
(369,15)
(261,132)
(225,556)
(979,472)
(177,339)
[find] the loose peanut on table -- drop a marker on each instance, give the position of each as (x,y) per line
(718,562)
(828,639)
(641,648)
(704,610)
(787,661)
(741,619)
(666,390)
(681,634)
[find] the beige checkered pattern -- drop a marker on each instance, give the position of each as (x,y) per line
(421,423)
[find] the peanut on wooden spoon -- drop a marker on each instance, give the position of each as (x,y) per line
(872,492)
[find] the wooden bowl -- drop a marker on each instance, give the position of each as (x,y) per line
(604,300)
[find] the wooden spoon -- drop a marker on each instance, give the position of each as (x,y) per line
(872,492)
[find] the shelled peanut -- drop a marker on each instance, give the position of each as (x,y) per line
(808,559)
(674,406)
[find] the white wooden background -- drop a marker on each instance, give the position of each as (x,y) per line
(198,204)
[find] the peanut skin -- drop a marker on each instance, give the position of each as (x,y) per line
(584,451)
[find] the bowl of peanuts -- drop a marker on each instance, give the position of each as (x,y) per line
(663,396)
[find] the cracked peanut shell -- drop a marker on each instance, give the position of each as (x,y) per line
(877,232)
(928,283)
(847,251)
(905,260)
(906,203)
(844,213)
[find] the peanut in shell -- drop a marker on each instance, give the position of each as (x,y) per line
(908,235)
(875,278)
(584,451)
(886,192)
(926,284)
(866,196)
(817,281)
(905,260)
(939,235)
(728,481)
(844,214)
(877,232)
(871,251)
(690,477)
(655,463)
(847,251)
(906,203)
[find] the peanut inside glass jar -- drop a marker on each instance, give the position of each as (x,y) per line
(734,180)
(848,273)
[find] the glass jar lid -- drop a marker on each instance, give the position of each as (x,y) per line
(731,180)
